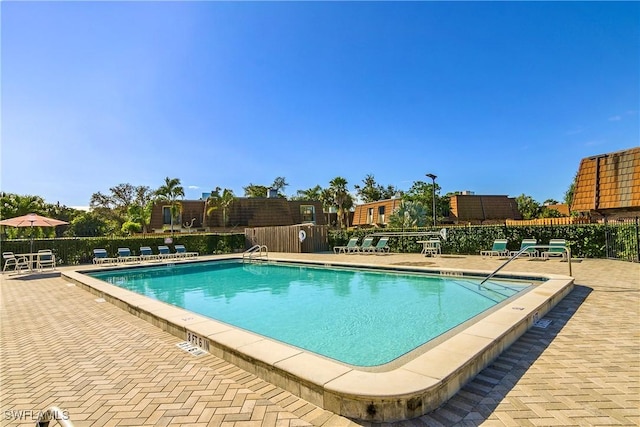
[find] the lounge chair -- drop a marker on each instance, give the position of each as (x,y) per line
(530,252)
(164,252)
(124,255)
(100,256)
(367,246)
(498,249)
(557,247)
(11,262)
(382,246)
(181,251)
(352,246)
(45,259)
(146,254)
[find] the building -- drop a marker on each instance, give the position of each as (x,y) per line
(374,213)
(243,212)
(465,208)
(479,209)
(608,185)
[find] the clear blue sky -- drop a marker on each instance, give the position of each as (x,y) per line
(493,97)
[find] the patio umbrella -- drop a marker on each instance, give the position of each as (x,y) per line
(32,220)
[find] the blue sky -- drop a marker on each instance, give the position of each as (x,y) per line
(492,97)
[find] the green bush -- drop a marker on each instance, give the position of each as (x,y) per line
(79,250)
(584,240)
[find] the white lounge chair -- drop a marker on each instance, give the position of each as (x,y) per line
(100,256)
(181,252)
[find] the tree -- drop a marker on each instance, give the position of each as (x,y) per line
(342,200)
(422,192)
(371,191)
(529,208)
(169,192)
(220,201)
(253,190)
(116,205)
(310,194)
(568,195)
(279,184)
(408,215)
(89,224)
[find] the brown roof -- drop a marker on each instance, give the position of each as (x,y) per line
(482,208)
(608,181)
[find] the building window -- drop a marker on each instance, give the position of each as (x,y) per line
(166,216)
(308,213)
(369,215)
(381,215)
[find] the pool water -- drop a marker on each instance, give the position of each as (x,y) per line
(359,317)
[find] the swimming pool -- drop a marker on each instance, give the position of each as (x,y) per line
(411,385)
(359,317)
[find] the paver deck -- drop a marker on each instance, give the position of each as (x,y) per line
(106,367)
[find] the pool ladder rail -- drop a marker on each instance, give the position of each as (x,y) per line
(256,253)
(520,252)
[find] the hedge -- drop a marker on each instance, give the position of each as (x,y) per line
(584,240)
(74,251)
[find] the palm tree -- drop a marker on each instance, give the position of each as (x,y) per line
(342,200)
(170,191)
(217,201)
(408,215)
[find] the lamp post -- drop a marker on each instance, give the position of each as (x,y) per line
(433,178)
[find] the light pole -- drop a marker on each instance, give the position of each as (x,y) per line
(433,178)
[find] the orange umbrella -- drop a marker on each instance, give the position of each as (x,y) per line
(32,220)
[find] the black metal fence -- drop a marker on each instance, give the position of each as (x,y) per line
(622,239)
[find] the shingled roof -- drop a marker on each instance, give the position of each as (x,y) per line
(608,182)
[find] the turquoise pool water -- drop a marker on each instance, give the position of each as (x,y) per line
(359,317)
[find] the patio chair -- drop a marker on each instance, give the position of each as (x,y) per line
(45,259)
(525,244)
(13,263)
(352,246)
(181,251)
(100,256)
(498,249)
(432,247)
(367,246)
(557,247)
(146,254)
(382,246)
(124,255)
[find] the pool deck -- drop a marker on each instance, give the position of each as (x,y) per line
(108,367)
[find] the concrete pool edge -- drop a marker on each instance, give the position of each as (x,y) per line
(413,389)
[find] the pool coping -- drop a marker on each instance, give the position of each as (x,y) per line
(415,388)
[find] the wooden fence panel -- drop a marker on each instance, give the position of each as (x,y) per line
(287,238)
(565,220)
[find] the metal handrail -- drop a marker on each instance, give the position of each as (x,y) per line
(261,250)
(51,414)
(525,249)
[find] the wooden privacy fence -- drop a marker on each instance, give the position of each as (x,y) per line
(287,238)
(565,220)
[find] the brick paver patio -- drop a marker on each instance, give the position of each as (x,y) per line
(59,346)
